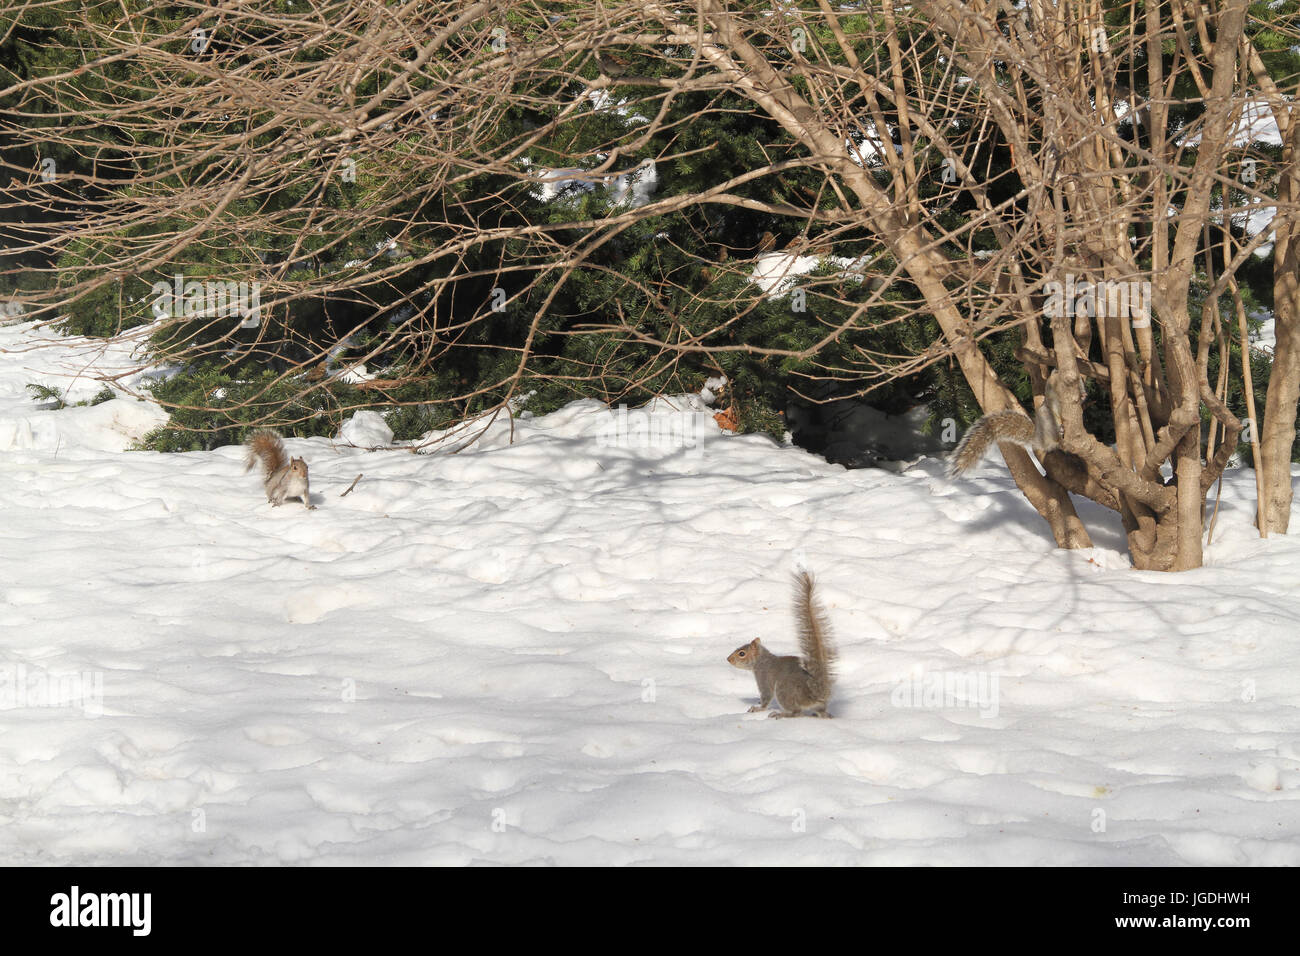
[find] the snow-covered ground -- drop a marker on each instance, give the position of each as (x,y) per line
(516,653)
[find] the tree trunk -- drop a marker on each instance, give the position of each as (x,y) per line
(1278,433)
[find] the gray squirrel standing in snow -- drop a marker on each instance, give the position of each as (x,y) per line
(283,477)
(1040,434)
(796,684)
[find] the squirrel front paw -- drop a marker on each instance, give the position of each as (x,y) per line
(755,709)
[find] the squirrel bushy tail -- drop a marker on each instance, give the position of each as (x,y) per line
(1009,425)
(1040,434)
(814,637)
(267,447)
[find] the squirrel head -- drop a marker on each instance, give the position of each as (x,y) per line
(745,656)
(298,466)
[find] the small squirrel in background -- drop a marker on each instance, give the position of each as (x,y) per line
(283,477)
(1040,434)
(796,684)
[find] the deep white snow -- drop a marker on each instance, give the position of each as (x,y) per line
(516,654)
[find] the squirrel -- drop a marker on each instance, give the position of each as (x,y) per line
(283,477)
(796,684)
(1041,434)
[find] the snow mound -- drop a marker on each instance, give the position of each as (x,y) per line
(78,370)
(366,429)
